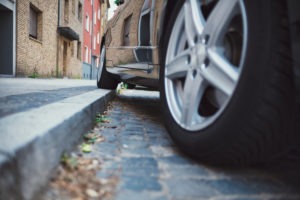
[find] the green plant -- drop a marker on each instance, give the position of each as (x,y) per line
(86,148)
(101,118)
(92,138)
(122,86)
(119,2)
(35,73)
(69,162)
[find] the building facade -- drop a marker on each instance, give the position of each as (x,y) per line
(48,36)
(36,37)
(105,5)
(7,37)
(57,38)
(69,40)
(91,38)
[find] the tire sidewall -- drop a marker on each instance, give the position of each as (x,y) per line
(225,129)
(101,68)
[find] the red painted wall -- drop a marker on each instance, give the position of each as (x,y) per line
(91,8)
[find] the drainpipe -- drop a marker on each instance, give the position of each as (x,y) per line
(92,34)
(57,39)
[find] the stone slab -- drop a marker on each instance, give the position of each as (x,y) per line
(32,142)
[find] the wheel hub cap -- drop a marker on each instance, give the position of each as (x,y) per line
(196,62)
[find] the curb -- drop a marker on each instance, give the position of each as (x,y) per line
(31,142)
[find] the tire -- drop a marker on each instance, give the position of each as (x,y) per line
(227,89)
(105,80)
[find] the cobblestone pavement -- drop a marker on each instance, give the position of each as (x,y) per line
(138,152)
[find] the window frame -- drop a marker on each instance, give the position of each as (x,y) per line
(79,12)
(87,23)
(35,34)
(86,54)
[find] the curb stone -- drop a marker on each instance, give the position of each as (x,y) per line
(32,142)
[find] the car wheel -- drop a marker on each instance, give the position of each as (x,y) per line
(104,79)
(227,86)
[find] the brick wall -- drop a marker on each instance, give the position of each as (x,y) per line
(36,54)
(88,36)
(45,54)
(70,65)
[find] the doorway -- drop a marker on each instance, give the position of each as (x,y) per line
(65,56)
(7,41)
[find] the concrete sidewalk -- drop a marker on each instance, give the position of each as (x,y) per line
(39,120)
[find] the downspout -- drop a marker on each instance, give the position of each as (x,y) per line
(57,39)
(92,34)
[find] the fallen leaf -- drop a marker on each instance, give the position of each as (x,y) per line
(86,148)
(92,193)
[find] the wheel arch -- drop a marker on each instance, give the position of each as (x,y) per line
(168,7)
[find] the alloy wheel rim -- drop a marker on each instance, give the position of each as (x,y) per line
(204,60)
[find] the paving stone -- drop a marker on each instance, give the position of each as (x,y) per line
(128,163)
(245,186)
(156,141)
(140,183)
(136,152)
(131,195)
(176,160)
(183,172)
(190,189)
(148,165)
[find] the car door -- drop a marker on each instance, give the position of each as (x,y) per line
(129,47)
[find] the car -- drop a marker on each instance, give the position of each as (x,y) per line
(227,71)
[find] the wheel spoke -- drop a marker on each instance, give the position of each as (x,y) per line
(194,88)
(193,19)
(178,66)
(220,73)
(219,20)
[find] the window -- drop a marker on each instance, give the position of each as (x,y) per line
(35,26)
(33,23)
(73,6)
(99,13)
(94,43)
(72,48)
(97,62)
(86,51)
(79,11)
(91,2)
(98,38)
(126,31)
(79,50)
(95,17)
(87,23)
(66,11)
(91,26)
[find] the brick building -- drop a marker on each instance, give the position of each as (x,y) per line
(69,44)
(105,5)
(36,25)
(48,36)
(92,36)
